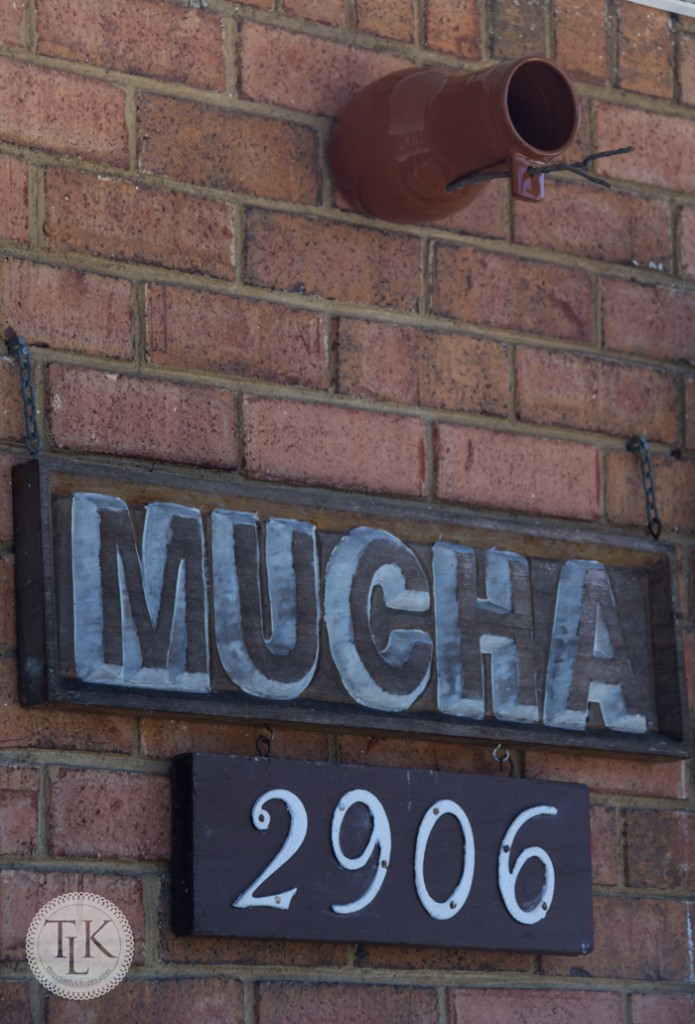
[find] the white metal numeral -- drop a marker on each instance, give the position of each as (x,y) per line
(380,837)
(507,877)
(295,837)
(450,906)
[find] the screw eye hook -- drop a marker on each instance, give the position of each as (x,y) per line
(264,744)
(501,755)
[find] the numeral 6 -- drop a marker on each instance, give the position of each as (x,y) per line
(507,877)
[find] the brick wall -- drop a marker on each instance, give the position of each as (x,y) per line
(195,292)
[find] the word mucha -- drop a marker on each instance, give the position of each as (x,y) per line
(175,599)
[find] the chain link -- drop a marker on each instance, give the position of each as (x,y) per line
(640,445)
(17,346)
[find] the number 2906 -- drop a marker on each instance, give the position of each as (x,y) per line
(379,842)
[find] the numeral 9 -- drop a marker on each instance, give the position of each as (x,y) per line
(379,838)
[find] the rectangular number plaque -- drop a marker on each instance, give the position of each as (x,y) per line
(291,850)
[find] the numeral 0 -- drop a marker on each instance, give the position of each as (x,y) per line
(450,906)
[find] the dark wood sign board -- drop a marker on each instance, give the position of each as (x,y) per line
(195,593)
(291,850)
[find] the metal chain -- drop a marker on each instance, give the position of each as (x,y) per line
(17,346)
(640,445)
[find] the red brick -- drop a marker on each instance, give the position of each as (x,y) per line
(24,893)
(496,1006)
(11,410)
(406,365)
(212,1000)
(108,814)
(645,51)
(236,336)
(408,752)
(646,320)
(12,426)
(584,220)
(582,44)
(164,737)
(14,210)
(379,361)
(6,523)
(11,12)
(604,857)
(664,146)
(334,447)
(418,958)
(226,149)
(19,803)
(595,394)
(503,291)
(251,952)
(145,418)
(485,217)
(526,474)
(328,12)
(517,30)
(56,730)
(279,1002)
(164,40)
(14,999)
(686,51)
(675,489)
(306,73)
(688,245)
(7,608)
(123,220)
(63,113)
(391,18)
(611,775)
(652,1008)
(67,309)
(583,140)
(660,849)
(338,261)
(689,659)
(690,413)
(453,26)
(634,938)
(195,949)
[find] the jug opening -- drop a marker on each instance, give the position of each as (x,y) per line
(542,106)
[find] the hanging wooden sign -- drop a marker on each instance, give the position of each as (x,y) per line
(290,850)
(186,593)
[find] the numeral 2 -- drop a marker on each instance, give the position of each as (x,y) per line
(295,837)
